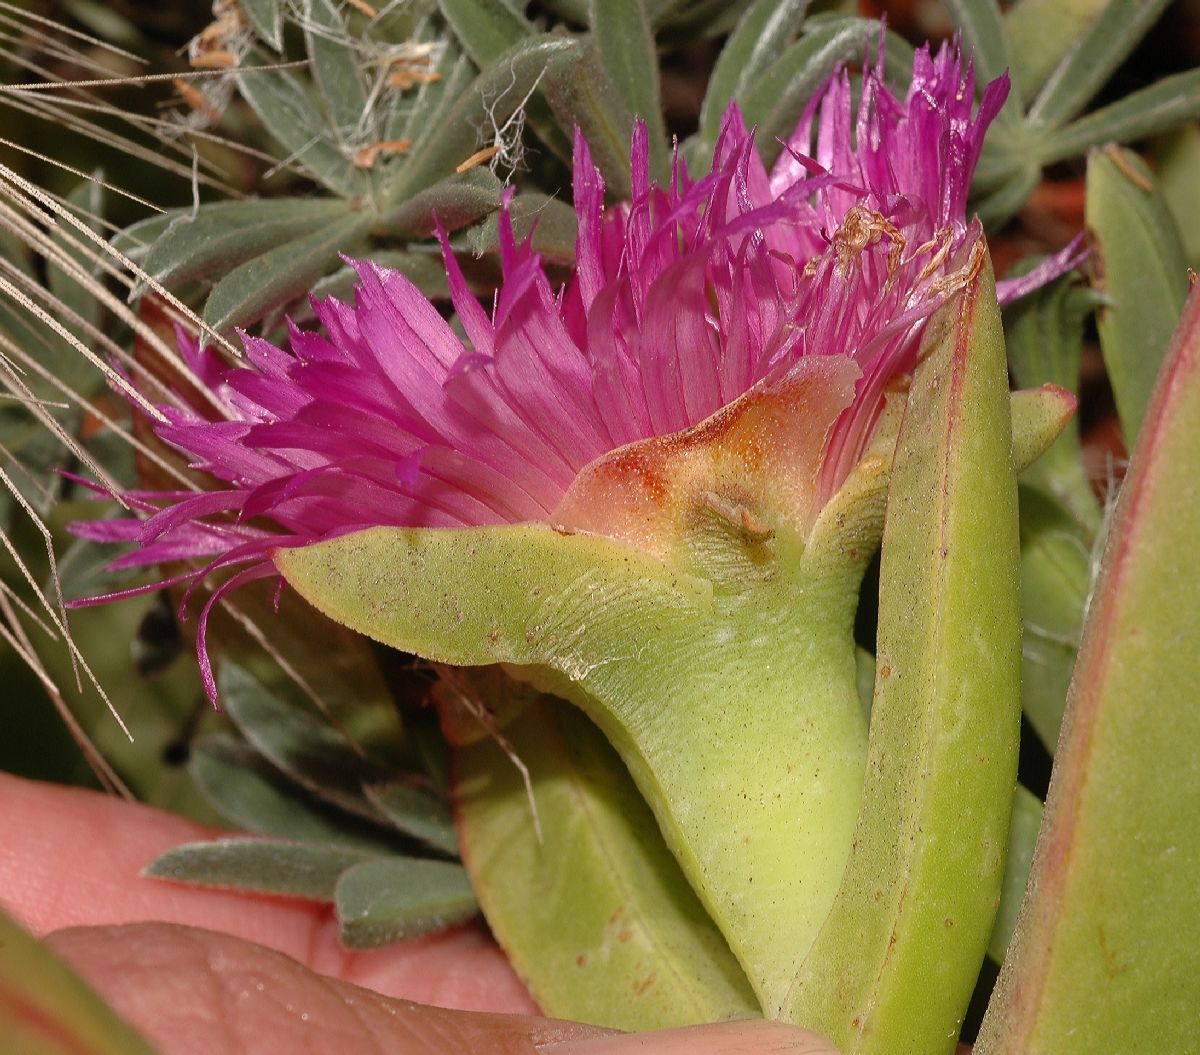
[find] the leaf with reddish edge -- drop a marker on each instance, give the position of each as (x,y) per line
(45,1009)
(895,962)
(1106,956)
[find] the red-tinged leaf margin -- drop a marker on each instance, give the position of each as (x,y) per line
(1040,992)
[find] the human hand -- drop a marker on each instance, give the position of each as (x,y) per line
(203,971)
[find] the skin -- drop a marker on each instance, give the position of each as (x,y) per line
(228,974)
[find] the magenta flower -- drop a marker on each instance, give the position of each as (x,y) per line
(683,301)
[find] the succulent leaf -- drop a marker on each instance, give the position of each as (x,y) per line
(1101,48)
(594,913)
(895,961)
(1141,272)
(1105,952)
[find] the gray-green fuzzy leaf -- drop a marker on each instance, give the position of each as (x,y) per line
(582,95)
(487,28)
(417,812)
(250,793)
(1044,333)
(756,42)
(455,201)
(290,114)
(496,94)
(335,68)
(394,898)
(1040,33)
(1157,108)
(309,751)
(281,274)
(1101,48)
(1056,577)
(419,120)
(551,220)
(266,19)
(267,866)
(775,100)
(625,43)
(224,234)
(981,26)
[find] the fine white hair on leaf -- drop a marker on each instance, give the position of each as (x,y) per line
(465,694)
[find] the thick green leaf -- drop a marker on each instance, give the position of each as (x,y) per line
(1160,107)
(1142,273)
(625,43)
(454,130)
(46,1009)
(1177,165)
(1022,834)
(417,812)
(250,793)
(1056,577)
(1106,954)
(308,750)
(266,19)
(1040,33)
(396,898)
(895,963)
(1098,51)
(281,274)
(757,41)
(551,220)
(593,912)
(1044,333)
(582,95)
(292,116)
(455,201)
(224,234)
(335,69)
(265,866)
